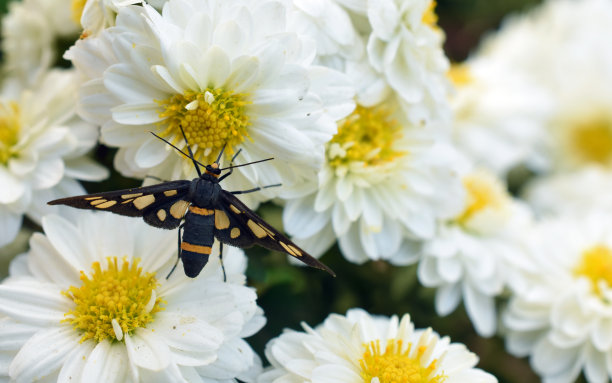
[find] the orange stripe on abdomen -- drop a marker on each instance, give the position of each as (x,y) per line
(196,248)
(200,210)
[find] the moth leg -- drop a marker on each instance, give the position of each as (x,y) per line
(178,252)
(254,189)
(221,260)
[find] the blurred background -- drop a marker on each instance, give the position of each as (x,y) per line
(290,295)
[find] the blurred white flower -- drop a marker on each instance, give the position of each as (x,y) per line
(572,192)
(562,319)
(31,33)
(90,302)
(42,147)
(474,255)
(230,73)
(549,93)
(96,15)
(360,347)
(384,185)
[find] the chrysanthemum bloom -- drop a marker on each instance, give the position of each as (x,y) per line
(474,255)
(539,50)
(562,319)
(32,30)
(384,184)
(42,147)
(359,347)
(96,15)
(90,302)
(229,73)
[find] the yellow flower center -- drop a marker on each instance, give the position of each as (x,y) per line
(483,192)
(592,140)
(460,74)
(430,17)
(114,301)
(367,137)
(10,124)
(212,119)
(395,365)
(76,10)
(596,265)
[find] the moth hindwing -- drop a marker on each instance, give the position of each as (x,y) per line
(202,209)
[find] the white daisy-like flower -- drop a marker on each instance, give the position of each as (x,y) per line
(405,47)
(96,15)
(499,114)
(474,255)
(565,120)
(31,32)
(229,72)
(562,320)
(42,147)
(385,183)
(572,192)
(360,347)
(90,302)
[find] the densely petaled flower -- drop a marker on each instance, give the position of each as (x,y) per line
(562,319)
(359,347)
(385,182)
(229,73)
(42,147)
(90,302)
(31,32)
(96,15)
(474,255)
(565,120)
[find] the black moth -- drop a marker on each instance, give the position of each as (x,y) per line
(207,210)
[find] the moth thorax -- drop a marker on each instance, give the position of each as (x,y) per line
(203,192)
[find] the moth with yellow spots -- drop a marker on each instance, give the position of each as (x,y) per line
(202,209)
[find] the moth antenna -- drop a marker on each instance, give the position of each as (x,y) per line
(220,154)
(195,163)
(248,163)
(179,150)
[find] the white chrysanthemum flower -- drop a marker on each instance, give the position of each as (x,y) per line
(359,347)
(42,147)
(474,256)
(562,320)
(90,302)
(31,32)
(499,115)
(384,184)
(405,47)
(229,73)
(567,97)
(96,15)
(571,193)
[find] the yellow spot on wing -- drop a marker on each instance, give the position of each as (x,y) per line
(170,193)
(235,233)
(106,204)
(292,250)
(144,201)
(177,210)
(97,202)
(221,220)
(128,196)
(256,229)
(161,214)
(235,209)
(91,198)
(127,201)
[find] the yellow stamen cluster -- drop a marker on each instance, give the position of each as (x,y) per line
(483,192)
(76,10)
(10,124)
(366,136)
(592,140)
(212,120)
(430,17)
(395,365)
(596,265)
(114,301)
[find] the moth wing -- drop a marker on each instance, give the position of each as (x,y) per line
(146,202)
(237,225)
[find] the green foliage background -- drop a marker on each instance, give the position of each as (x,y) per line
(290,295)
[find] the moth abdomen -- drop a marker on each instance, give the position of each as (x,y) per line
(198,238)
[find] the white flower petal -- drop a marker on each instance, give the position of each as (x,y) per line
(33,302)
(75,362)
(147,350)
(107,362)
(12,188)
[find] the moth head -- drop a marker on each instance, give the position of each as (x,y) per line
(213,169)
